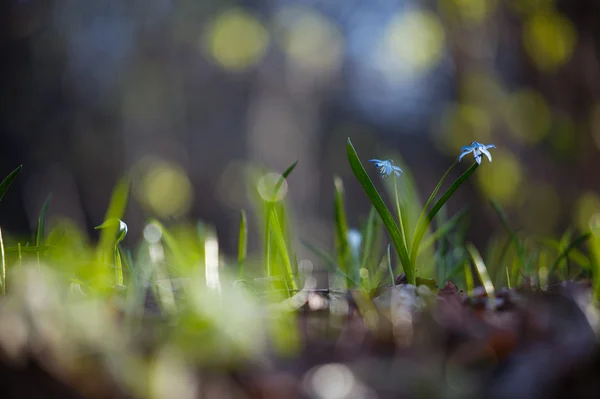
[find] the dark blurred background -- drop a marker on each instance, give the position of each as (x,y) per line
(186,92)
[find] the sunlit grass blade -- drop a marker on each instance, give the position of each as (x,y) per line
(577,241)
(373,225)
(8,180)
(482,272)
(389,264)
(121,233)
(341,231)
(424,223)
(384,213)
(514,238)
(282,249)
(116,210)
(444,229)
(242,243)
(284,176)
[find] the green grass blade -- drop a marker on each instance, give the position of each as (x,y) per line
(341,230)
(371,228)
(431,197)
(595,258)
(444,229)
(520,250)
(40,231)
(282,249)
(389,265)
(284,176)
(565,253)
(116,210)
(384,213)
(242,243)
(482,272)
(8,180)
(422,228)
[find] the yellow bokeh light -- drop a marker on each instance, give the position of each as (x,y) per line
(469,11)
(237,40)
(165,189)
(310,39)
(527,116)
(413,44)
(587,205)
(501,179)
(549,39)
(540,208)
(483,90)
(461,124)
(530,6)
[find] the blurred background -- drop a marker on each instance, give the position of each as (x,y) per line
(185,93)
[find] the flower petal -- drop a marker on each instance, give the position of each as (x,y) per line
(487,153)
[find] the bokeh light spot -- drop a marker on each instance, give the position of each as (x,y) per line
(412,46)
(310,39)
(460,124)
(468,11)
(331,381)
(527,116)
(549,39)
(268,190)
(237,40)
(165,189)
(501,179)
(587,205)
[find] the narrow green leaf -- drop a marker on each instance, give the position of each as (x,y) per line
(384,213)
(8,180)
(389,264)
(371,228)
(488,286)
(341,229)
(116,210)
(570,247)
(284,176)
(520,250)
(242,243)
(40,231)
(444,229)
(283,251)
(424,225)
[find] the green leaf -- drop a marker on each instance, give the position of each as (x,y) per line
(282,249)
(116,210)
(40,231)
(389,264)
(519,248)
(373,225)
(242,243)
(384,213)
(424,223)
(488,286)
(570,247)
(444,229)
(284,176)
(8,180)
(341,231)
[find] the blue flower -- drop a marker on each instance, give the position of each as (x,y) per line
(478,150)
(386,168)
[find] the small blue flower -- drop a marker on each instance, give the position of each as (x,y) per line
(478,150)
(386,167)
